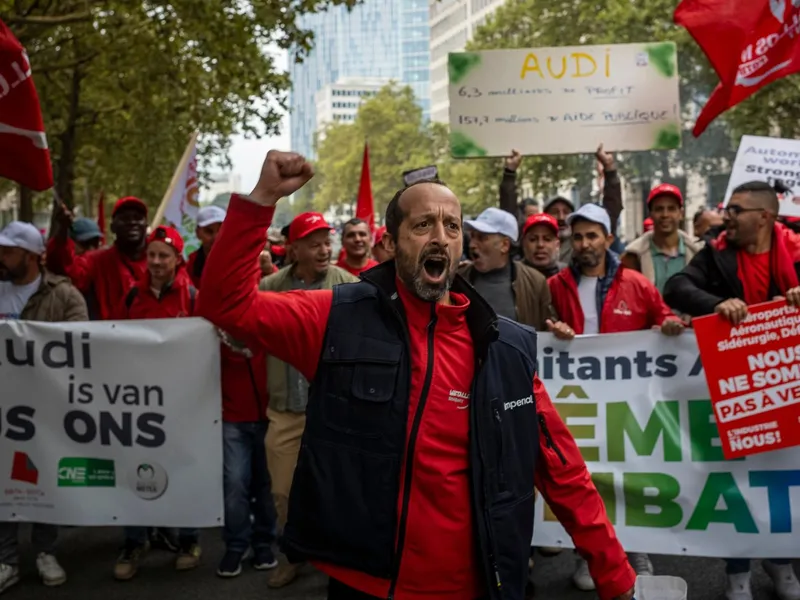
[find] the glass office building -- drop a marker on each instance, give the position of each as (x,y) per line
(377,38)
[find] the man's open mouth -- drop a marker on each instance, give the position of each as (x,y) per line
(435,266)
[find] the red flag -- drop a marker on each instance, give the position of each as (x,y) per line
(750,44)
(101,216)
(24,156)
(364,207)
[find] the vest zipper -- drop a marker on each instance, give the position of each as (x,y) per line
(412,442)
(549,440)
(500,470)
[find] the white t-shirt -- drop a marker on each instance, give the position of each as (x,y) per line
(13,298)
(587,294)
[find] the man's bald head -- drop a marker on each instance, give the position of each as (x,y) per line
(761,195)
(398,207)
(424,232)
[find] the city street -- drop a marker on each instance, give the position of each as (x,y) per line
(88,556)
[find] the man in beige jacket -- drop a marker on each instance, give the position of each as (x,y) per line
(28,292)
(310,240)
(666,250)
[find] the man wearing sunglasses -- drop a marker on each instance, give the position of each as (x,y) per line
(754,260)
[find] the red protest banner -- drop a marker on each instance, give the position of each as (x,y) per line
(753,375)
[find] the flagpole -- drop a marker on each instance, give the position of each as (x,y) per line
(175,177)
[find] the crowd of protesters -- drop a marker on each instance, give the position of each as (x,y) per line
(325,446)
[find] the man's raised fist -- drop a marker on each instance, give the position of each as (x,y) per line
(282,174)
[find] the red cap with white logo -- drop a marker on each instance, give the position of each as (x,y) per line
(305,224)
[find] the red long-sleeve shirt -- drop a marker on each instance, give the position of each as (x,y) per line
(440,555)
(106,273)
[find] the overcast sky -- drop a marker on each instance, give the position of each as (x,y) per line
(248,155)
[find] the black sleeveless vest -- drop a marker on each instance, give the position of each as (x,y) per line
(343,506)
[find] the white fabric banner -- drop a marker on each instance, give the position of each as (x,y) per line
(637,404)
(111,423)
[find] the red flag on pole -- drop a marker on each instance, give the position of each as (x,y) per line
(24,156)
(365,208)
(750,44)
(101,216)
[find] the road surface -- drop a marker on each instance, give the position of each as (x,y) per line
(88,555)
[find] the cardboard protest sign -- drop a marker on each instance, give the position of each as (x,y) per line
(769,159)
(753,373)
(564,100)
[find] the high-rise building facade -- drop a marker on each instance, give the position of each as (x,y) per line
(453,23)
(387,39)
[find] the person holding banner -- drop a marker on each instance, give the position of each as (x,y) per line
(596,295)
(30,293)
(405,484)
(559,207)
(164,292)
(754,260)
(109,273)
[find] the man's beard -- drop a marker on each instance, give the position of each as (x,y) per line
(589,259)
(7,274)
(410,273)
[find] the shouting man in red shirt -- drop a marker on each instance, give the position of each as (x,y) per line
(426,424)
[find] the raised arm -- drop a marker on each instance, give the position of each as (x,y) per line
(564,481)
(288,325)
(612,187)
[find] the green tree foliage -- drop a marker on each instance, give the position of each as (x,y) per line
(543,23)
(391,122)
(124,83)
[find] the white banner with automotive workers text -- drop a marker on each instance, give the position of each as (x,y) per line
(637,405)
(111,423)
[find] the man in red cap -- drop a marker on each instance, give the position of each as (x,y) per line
(541,244)
(379,250)
(106,275)
(648,224)
(666,250)
(164,291)
(310,240)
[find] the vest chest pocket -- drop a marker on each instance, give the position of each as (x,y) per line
(361,382)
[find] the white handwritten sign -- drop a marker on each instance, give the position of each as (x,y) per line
(564,100)
(769,159)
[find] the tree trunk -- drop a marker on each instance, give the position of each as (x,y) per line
(25,204)
(66,161)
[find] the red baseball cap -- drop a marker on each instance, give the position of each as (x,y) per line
(665,189)
(305,224)
(648,224)
(129,202)
(167,235)
(379,235)
(540,219)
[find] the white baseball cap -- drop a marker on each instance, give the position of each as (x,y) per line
(495,220)
(19,234)
(208,215)
(594,213)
